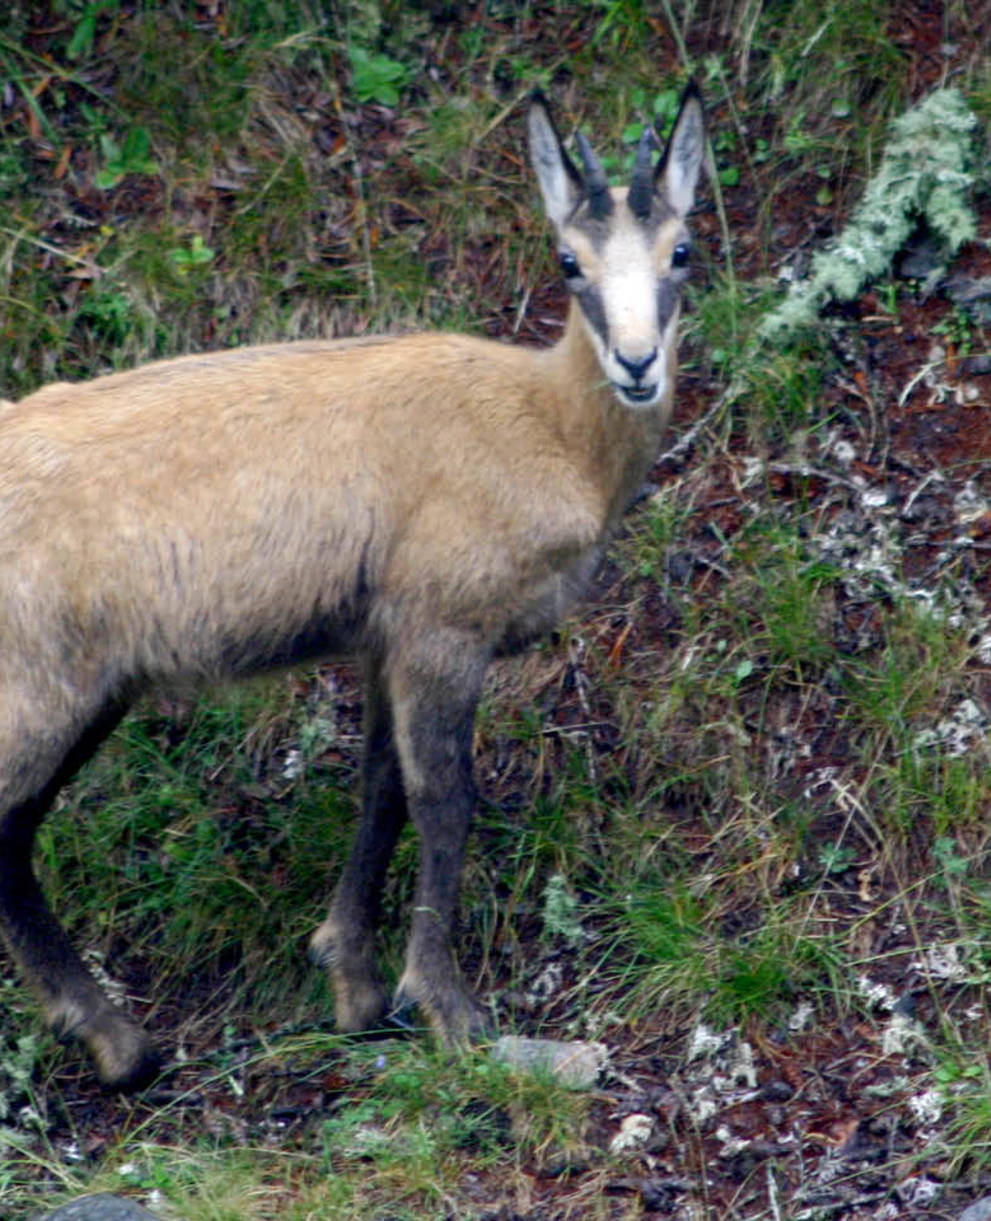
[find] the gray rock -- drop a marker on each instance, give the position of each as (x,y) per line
(576,1065)
(102,1207)
(634,1134)
(981,1211)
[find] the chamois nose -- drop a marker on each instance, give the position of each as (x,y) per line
(636,368)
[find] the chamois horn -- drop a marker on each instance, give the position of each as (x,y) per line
(641,190)
(596,183)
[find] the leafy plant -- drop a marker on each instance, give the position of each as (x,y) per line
(376,77)
(81,42)
(959,328)
(131,157)
(837,858)
(196,254)
(17,1064)
(110,311)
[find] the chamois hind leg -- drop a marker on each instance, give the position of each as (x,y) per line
(34,763)
(344,942)
(434,683)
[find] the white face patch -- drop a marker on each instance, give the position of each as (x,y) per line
(629,295)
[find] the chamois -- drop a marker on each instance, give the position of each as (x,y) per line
(425,502)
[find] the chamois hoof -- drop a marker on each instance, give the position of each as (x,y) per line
(123,1054)
(135,1078)
(126,1060)
(455,1017)
(358,1005)
(360,998)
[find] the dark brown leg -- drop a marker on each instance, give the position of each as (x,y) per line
(74,1005)
(434,684)
(344,942)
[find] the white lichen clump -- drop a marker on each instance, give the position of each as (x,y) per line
(926,175)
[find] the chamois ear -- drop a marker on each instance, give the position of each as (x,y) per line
(560,182)
(678,170)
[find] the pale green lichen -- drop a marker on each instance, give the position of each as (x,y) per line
(926,175)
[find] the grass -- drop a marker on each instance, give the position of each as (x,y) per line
(412,1123)
(700,802)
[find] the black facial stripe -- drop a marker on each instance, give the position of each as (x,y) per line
(668,296)
(590,299)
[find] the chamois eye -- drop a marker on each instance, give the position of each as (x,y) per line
(569,265)
(680,255)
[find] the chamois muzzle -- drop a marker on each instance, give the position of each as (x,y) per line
(637,368)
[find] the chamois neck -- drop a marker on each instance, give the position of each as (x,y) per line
(577,364)
(613,445)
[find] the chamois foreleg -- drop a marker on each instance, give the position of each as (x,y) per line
(434,683)
(35,760)
(344,942)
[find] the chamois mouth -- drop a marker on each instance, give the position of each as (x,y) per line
(637,394)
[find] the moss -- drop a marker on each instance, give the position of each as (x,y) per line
(926,175)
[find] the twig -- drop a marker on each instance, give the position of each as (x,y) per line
(576,655)
(501,117)
(520,313)
(934,474)
(676,34)
(772,1193)
(745,40)
(678,452)
(929,367)
(805,470)
(508,109)
(58,251)
(366,237)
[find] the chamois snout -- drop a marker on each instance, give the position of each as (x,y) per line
(638,366)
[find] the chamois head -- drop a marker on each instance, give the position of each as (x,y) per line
(624,253)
